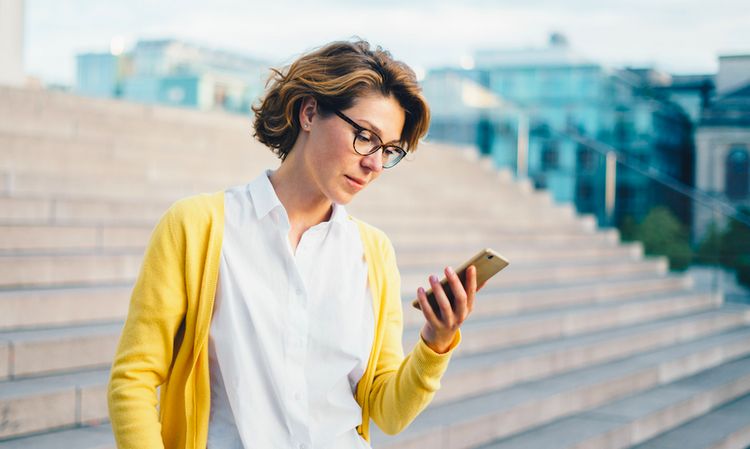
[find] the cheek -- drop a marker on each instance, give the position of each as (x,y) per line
(339,152)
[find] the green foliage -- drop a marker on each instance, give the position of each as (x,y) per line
(736,248)
(663,234)
(729,247)
(710,248)
(736,241)
(743,270)
(628,229)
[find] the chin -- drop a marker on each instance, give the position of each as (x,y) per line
(343,199)
(343,196)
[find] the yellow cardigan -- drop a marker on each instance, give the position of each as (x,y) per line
(164,342)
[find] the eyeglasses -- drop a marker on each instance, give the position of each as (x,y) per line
(367,142)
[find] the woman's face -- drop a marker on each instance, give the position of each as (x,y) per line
(333,165)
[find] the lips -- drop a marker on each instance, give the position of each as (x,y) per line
(357,181)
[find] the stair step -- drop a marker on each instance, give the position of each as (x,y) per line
(727,427)
(45,155)
(505,301)
(500,239)
(44,307)
(23,309)
(108,186)
(517,276)
(36,211)
(483,334)
(39,351)
(632,420)
(428,259)
(90,437)
(18,238)
(52,402)
(123,265)
(473,374)
(580,327)
(36,351)
(480,419)
(91,385)
(52,270)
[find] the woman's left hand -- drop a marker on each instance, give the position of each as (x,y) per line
(439,333)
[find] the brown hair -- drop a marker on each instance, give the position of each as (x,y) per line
(336,75)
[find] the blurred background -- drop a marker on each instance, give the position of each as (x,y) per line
(607,145)
(545,89)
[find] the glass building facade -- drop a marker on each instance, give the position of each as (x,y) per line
(560,100)
(174,73)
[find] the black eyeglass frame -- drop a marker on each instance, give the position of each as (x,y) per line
(401,152)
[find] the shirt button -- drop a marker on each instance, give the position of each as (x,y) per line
(298,396)
(303,446)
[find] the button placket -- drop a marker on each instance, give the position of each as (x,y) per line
(297,354)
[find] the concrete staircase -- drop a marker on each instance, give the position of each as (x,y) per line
(580,343)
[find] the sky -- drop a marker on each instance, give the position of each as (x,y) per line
(681,37)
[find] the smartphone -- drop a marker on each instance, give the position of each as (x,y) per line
(487,262)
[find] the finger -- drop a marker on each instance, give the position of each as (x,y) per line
(460,306)
(427,311)
(444,304)
(471,286)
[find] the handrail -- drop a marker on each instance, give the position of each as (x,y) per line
(649,171)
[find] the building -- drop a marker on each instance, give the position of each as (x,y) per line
(674,161)
(462,110)
(174,73)
(11,43)
(561,99)
(98,75)
(723,143)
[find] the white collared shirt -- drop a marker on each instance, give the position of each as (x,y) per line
(291,332)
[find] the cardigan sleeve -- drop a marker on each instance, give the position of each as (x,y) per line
(144,355)
(403,386)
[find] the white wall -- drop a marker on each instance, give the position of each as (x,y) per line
(11,43)
(734,71)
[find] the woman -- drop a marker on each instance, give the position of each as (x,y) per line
(268,317)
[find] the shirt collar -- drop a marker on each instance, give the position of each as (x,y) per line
(339,214)
(263,195)
(265,199)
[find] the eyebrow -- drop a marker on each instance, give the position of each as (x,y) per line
(377,131)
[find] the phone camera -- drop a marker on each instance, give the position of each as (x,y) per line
(490,257)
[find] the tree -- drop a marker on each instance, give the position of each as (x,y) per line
(628,229)
(709,250)
(663,234)
(736,247)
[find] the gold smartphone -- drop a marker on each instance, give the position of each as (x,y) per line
(487,262)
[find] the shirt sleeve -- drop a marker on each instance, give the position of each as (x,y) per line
(144,354)
(403,386)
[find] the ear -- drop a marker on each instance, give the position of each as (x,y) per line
(307,112)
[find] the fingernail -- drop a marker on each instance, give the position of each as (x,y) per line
(420,290)
(433,278)
(450,270)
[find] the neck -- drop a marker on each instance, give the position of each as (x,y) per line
(304,204)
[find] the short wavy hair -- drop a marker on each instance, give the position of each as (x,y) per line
(335,75)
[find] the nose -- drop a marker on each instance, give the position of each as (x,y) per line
(374,161)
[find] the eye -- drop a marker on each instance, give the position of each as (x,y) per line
(388,151)
(364,136)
